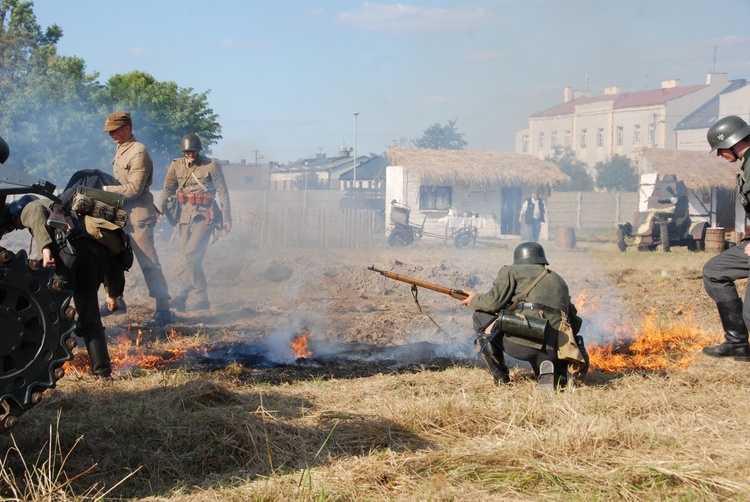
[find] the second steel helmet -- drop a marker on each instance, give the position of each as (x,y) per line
(16,207)
(190,142)
(4,151)
(528,253)
(727,132)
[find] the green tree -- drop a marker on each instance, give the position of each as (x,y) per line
(162,113)
(441,137)
(566,160)
(310,181)
(46,100)
(618,174)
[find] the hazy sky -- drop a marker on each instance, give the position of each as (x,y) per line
(286,76)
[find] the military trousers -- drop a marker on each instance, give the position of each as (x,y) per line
(194,239)
(142,242)
(83,268)
(721,272)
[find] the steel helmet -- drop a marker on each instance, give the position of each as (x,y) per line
(16,207)
(4,151)
(727,132)
(190,142)
(528,253)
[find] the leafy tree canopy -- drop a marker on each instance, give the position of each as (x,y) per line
(580,179)
(52,111)
(618,175)
(162,113)
(441,137)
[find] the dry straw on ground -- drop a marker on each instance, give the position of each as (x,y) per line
(424,431)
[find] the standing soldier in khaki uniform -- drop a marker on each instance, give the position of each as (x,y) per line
(195,181)
(134,169)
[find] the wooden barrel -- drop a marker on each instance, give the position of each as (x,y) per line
(565,237)
(714,240)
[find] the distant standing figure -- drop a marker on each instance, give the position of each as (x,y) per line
(134,170)
(196,180)
(533,214)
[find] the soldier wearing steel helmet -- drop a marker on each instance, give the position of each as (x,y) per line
(529,289)
(729,137)
(196,181)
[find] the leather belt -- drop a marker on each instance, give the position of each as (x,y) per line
(541,308)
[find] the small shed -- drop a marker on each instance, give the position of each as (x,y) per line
(711,181)
(440,184)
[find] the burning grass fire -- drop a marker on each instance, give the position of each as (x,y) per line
(656,344)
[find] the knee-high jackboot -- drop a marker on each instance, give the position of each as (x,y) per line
(494,358)
(96,346)
(735,332)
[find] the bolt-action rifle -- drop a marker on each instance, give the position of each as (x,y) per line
(455,293)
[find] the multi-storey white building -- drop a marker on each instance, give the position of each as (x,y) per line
(598,127)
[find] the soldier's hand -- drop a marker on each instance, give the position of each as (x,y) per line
(467,300)
(47,259)
(227,226)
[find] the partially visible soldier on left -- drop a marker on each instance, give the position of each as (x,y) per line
(79,261)
(195,181)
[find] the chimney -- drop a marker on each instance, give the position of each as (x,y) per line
(567,94)
(670,84)
(611,91)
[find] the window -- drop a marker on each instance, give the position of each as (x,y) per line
(652,134)
(553,139)
(525,144)
(619,135)
(435,198)
(583,138)
(637,134)
(600,137)
(248,180)
(541,140)
(568,138)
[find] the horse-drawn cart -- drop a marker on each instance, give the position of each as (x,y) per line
(404,232)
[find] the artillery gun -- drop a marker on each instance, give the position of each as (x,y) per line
(36,320)
(663,219)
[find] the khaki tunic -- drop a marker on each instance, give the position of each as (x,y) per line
(133,169)
(195,228)
(210,175)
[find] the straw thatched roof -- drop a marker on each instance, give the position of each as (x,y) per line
(699,170)
(476,167)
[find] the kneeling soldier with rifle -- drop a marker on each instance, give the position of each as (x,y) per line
(528,315)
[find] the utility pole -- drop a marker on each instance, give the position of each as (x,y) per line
(354,183)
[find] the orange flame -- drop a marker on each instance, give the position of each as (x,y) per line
(655,345)
(300,347)
(136,352)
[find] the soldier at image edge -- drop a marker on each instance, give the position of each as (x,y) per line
(729,137)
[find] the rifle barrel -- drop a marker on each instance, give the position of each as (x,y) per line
(454,293)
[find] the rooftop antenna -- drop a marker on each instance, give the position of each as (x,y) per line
(714,70)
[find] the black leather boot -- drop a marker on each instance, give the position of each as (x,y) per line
(735,332)
(96,346)
(494,358)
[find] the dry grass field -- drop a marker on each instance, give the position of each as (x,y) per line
(390,403)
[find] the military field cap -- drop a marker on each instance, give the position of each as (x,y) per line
(116,120)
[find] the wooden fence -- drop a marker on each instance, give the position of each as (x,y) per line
(315,219)
(316,228)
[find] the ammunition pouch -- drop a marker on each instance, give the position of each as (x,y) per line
(198,199)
